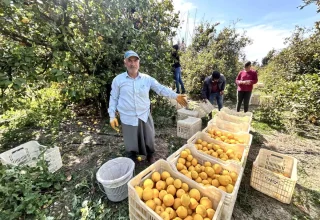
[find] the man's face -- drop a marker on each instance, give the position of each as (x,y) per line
(132,64)
(247,68)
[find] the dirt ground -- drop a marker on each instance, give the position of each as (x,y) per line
(84,154)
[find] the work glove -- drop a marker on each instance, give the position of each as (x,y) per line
(114,124)
(182,100)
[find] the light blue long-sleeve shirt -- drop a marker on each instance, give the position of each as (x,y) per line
(131,97)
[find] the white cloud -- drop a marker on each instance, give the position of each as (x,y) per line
(183,5)
(265,37)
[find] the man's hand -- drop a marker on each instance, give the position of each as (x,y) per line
(182,100)
(114,124)
(222,92)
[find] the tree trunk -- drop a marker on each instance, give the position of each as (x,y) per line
(103,100)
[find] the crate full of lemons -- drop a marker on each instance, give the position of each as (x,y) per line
(161,193)
(209,173)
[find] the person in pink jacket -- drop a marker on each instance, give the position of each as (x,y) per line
(245,80)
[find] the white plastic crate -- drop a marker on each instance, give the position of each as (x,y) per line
(174,103)
(230,198)
(235,147)
(201,111)
(28,153)
(245,137)
(185,113)
(138,210)
(188,127)
(233,118)
(274,185)
(255,99)
(235,113)
(206,106)
(229,126)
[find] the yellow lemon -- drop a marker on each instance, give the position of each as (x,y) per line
(165,175)
(233,176)
(177,203)
(161,185)
(184,154)
(168,200)
(139,190)
(215,183)
(147,194)
(180,192)
(206,202)
(182,212)
(151,204)
(155,177)
(185,200)
(210,213)
(229,188)
(169,181)
(194,193)
(177,183)
(217,168)
(165,215)
(171,190)
(155,193)
(224,180)
(185,187)
(193,203)
(172,213)
(197,217)
(148,183)
(201,210)
(182,160)
(162,193)
(159,209)
(157,201)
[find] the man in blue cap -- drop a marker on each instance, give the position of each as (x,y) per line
(130,97)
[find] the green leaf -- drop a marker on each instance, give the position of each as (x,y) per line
(59,73)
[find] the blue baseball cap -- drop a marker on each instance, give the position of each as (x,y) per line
(130,53)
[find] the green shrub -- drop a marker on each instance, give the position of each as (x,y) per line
(26,192)
(42,110)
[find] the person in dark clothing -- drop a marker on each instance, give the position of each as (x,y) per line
(213,88)
(245,80)
(177,69)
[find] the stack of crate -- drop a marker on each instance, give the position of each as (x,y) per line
(226,134)
(235,124)
(258,97)
(229,130)
(189,120)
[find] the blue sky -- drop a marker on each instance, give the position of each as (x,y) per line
(266,22)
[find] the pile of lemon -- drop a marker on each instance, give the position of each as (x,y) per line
(226,137)
(172,199)
(206,174)
(215,150)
